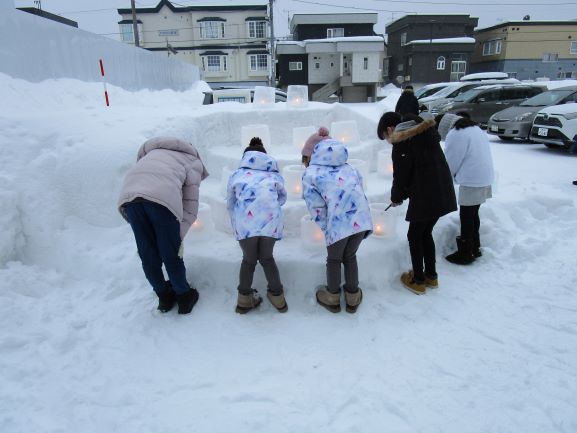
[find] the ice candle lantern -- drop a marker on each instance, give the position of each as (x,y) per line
(297,96)
(384,222)
(384,163)
(249,131)
(203,219)
(292,175)
(345,131)
(301,134)
(311,233)
(264,97)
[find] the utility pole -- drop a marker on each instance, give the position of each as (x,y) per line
(272,48)
(135,25)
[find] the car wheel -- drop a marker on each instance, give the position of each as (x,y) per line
(551,146)
(502,137)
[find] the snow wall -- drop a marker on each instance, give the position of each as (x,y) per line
(35,49)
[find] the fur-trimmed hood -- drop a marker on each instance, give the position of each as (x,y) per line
(410,129)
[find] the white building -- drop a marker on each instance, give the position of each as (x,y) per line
(227,42)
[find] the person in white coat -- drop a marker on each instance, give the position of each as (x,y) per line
(468,153)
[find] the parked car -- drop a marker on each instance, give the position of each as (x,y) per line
(481,103)
(430,89)
(555,126)
(450,92)
(236,94)
(516,122)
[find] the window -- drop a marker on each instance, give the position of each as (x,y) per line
(335,33)
(440,63)
(550,57)
(257,29)
(317,65)
(403,38)
(512,74)
(458,69)
(259,62)
(489,96)
(127,34)
(214,63)
(295,66)
(365,63)
(492,47)
(212,30)
(400,67)
(168,32)
(411,61)
(573,47)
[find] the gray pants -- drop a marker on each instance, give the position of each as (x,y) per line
(258,249)
(345,252)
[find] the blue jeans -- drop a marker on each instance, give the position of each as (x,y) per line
(157,234)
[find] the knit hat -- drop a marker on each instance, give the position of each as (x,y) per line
(313,140)
(446,123)
(255,145)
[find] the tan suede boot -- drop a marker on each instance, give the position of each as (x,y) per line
(278,301)
(414,286)
(331,301)
(432,282)
(245,303)
(353,300)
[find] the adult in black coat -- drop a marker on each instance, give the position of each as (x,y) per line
(407,103)
(421,175)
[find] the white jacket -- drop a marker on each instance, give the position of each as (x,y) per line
(468,153)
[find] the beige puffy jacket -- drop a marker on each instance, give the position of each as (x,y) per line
(168,171)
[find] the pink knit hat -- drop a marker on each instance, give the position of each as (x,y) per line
(320,135)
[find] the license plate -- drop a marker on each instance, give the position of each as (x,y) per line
(494,128)
(542,132)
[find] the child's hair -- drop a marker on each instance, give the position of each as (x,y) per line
(464,123)
(255,145)
(388,119)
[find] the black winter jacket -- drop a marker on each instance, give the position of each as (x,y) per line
(420,171)
(407,104)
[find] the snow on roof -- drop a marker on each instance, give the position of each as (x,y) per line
(299,43)
(528,22)
(349,39)
(463,40)
(485,75)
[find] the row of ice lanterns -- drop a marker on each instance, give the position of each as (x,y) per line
(384,224)
(297,96)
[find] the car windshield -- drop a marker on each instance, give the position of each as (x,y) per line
(447,91)
(423,92)
(552,97)
(465,96)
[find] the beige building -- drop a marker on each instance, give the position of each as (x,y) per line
(528,49)
(229,43)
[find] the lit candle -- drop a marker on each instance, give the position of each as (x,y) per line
(311,234)
(384,222)
(203,218)
(264,96)
(346,131)
(297,96)
(292,175)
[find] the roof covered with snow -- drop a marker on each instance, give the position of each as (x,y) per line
(529,23)
(463,40)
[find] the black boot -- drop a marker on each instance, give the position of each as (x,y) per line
(464,253)
(186,301)
(166,299)
(477,246)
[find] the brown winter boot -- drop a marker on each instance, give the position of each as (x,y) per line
(331,301)
(432,282)
(409,282)
(353,300)
(245,303)
(278,301)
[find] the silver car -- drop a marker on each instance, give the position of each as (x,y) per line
(515,122)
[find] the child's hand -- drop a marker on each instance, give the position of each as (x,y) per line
(181,250)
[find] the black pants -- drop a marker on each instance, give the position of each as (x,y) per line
(422,248)
(258,249)
(345,252)
(470,222)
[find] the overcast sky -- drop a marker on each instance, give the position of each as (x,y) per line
(101,16)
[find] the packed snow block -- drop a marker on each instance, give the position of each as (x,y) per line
(11,235)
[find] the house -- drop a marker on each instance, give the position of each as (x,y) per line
(334,54)
(430,48)
(528,50)
(228,42)
(42,13)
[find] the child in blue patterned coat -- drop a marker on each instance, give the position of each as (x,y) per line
(255,194)
(333,191)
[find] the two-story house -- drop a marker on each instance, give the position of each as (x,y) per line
(528,49)
(334,54)
(430,48)
(228,42)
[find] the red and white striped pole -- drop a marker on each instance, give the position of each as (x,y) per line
(104,82)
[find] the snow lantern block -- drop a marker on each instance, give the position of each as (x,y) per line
(203,219)
(249,131)
(346,131)
(224,176)
(311,234)
(362,167)
(264,97)
(298,96)
(384,163)
(293,175)
(301,134)
(384,221)
(220,216)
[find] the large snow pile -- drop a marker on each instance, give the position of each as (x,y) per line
(83,349)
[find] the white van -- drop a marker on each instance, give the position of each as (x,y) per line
(555,126)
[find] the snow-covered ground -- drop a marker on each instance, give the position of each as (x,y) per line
(82,348)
